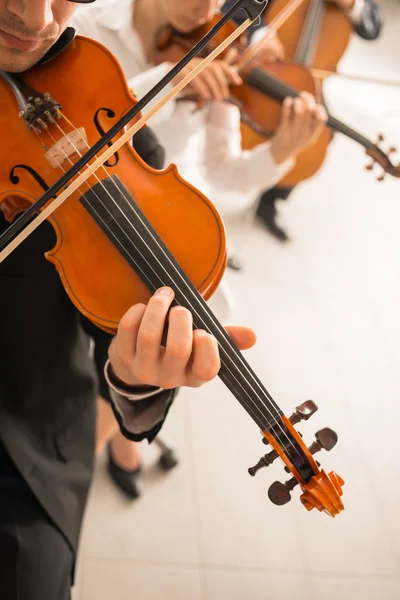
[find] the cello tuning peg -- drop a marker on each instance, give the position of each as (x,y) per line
(392,150)
(370,166)
(303,412)
(325,439)
(264,461)
(381,177)
(279,493)
(380,138)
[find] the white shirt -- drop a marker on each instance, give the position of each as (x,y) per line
(205,144)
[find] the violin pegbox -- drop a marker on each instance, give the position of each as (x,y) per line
(383,159)
(320,490)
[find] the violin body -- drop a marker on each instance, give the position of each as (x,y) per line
(98,280)
(266,112)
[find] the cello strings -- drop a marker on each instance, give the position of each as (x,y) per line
(210,314)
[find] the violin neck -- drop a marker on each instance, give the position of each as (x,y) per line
(307,46)
(349,132)
(111,206)
(279,90)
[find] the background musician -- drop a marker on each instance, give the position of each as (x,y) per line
(366,18)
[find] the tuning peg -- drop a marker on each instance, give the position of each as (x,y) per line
(380,138)
(264,461)
(325,439)
(392,150)
(279,493)
(381,177)
(370,166)
(303,412)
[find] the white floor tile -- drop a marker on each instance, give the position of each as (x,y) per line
(159,526)
(127,580)
(239,526)
(267,585)
(329,588)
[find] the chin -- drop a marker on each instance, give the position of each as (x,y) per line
(15,61)
(187,26)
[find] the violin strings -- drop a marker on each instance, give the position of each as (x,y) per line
(215,322)
(210,314)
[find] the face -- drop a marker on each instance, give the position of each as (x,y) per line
(186,15)
(28,28)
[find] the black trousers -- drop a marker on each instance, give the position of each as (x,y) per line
(36,561)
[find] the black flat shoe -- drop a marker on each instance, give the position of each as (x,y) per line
(268,214)
(130,482)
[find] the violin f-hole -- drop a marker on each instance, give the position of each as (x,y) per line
(111,115)
(15,179)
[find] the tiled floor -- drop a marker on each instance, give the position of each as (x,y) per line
(326,309)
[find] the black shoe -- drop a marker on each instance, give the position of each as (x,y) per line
(130,482)
(267,213)
(235,263)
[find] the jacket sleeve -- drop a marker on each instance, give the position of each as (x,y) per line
(367,19)
(141,414)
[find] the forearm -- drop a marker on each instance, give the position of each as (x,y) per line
(227,166)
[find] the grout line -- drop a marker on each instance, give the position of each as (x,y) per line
(195,498)
(301,573)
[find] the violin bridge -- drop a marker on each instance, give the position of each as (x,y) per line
(74,143)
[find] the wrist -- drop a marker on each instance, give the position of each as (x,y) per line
(123,380)
(280,153)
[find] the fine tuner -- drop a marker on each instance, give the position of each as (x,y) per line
(325,439)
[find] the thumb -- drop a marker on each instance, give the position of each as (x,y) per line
(243,337)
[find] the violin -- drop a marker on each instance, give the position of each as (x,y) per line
(124,230)
(264,89)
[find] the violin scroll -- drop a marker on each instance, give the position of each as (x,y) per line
(382,158)
(320,490)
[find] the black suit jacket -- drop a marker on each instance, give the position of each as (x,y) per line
(48,381)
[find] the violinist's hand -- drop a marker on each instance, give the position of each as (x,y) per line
(212,83)
(270,52)
(302,122)
(191,358)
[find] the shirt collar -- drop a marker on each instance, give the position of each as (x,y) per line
(114,14)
